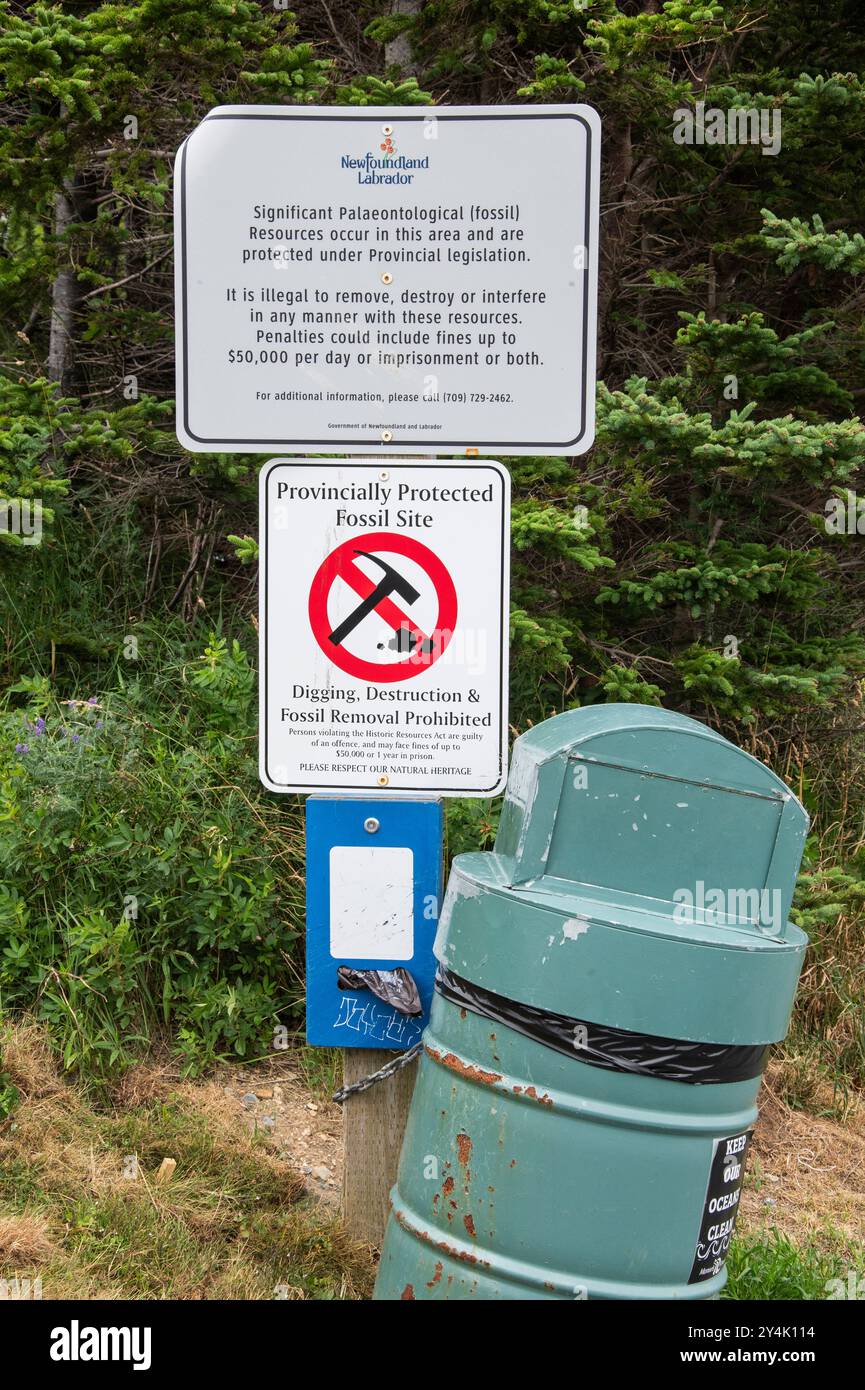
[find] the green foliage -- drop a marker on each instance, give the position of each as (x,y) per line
(745,572)
(540,650)
(245,548)
(795,243)
(830,907)
(772,450)
(90,70)
(537,525)
(224,683)
(375,91)
(139,867)
(624,684)
(553,81)
(621,39)
(751,354)
(9,1096)
(27,476)
(775,1267)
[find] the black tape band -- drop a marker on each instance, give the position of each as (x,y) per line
(613,1049)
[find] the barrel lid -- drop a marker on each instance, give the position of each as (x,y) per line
(662,857)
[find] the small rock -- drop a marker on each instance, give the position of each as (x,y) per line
(769,1202)
(305,1168)
(248,1100)
(323,1174)
(267,1122)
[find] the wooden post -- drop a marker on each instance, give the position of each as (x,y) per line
(374,1125)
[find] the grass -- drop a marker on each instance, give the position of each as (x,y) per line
(775,1267)
(82,1209)
(322,1069)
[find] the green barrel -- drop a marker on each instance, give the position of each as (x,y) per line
(610,979)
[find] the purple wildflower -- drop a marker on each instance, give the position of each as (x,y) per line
(76,738)
(98,724)
(92,700)
(22,748)
(39,727)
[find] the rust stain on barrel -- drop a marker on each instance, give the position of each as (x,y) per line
(455,1254)
(464,1149)
(531,1092)
(464,1255)
(464,1069)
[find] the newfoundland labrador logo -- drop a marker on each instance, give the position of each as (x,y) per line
(395,168)
(77,1343)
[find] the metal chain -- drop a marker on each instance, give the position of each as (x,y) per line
(386,1071)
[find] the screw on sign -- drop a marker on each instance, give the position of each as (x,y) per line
(406,613)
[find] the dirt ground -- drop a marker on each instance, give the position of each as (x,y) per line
(805,1173)
(304,1129)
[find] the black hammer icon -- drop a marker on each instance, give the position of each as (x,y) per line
(391,582)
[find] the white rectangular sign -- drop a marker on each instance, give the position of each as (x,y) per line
(388,280)
(371,902)
(383,627)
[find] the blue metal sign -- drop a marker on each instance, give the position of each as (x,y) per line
(373,888)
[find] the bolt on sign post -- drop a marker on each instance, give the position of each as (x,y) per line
(610,980)
(387,282)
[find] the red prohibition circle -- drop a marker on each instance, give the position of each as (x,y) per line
(340,563)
